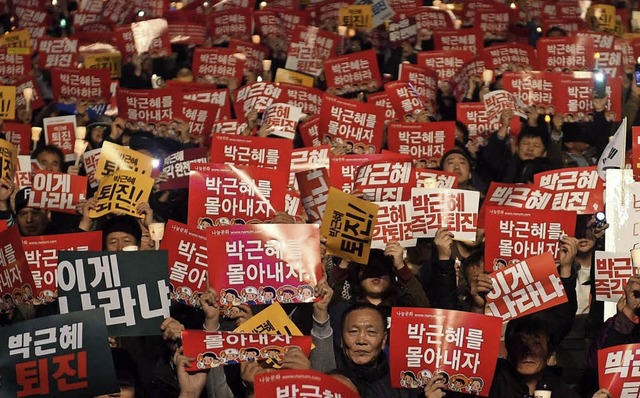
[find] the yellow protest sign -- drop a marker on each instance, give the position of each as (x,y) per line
(289,76)
(8,157)
(16,39)
(114,157)
(602,16)
(121,192)
(271,320)
(348,226)
(356,16)
(7,102)
(111,61)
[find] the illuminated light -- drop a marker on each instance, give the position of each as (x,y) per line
(513,5)
(342,31)
(539,29)
(596,55)
(63,23)
(155,163)
(638,60)
(352,32)
(54,2)
(599,76)
(141,13)
(263,5)
(205,4)
(547,118)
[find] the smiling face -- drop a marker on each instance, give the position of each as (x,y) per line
(363,336)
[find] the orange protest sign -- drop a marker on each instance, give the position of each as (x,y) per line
(121,192)
(111,61)
(7,102)
(114,157)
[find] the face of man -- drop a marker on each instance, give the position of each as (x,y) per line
(531,355)
(116,241)
(531,148)
(363,336)
(457,163)
(49,161)
(31,221)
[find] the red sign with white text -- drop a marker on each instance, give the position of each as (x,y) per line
(15,277)
(217,65)
(574,189)
(57,191)
(471,40)
(618,369)
(301,383)
(425,142)
(352,72)
(385,180)
(565,53)
(268,153)
(445,62)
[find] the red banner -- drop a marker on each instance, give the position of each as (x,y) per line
(223,194)
(352,72)
(310,131)
(406,101)
(60,131)
(57,191)
(255,54)
(429,342)
(425,142)
(423,80)
(212,349)
(187,27)
(509,57)
(176,167)
(385,180)
(446,62)
(301,383)
(16,282)
(573,94)
(217,65)
(217,99)
(324,11)
(19,135)
(575,189)
(282,119)
(471,40)
(525,197)
(381,100)
(612,272)
(41,253)
(314,192)
(187,247)
(265,263)
(309,47)
(431,18)
(268,153)
(431,178)
(343,169)
(201,117)
(434,208)
(256,96)
(71,85)
(355,125)
(13,66)
(401,29)
(533,88)
(393,223)
(308,98)
(472,68)
(525,288)
(514,235)
(493,22)
(28,16)
(148,108)
(60,53)
(618,369)
(565,53)
(37,101)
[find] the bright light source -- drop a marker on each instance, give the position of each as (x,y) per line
(155,163)
(141,13)
(599,76)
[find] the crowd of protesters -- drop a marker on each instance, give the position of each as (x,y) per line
(349,323)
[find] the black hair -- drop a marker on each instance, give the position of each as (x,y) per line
(50,149)
(553,29)
(530,325)
(364,306)
(535,132)
(123,223)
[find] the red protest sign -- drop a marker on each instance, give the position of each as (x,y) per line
(405,100)
(290,18)
(325,11)
(28,82)
(445,62)
(13,66)
(431,18)
(496,101)
(350,123)
(314,192)
(225,5)
(282,119)
(612,272)
(223,194)
(61,53)
(262,259)
(471,40)
(573,97)
(16,282)
(57,191)
(385,180)
(307,98)
(254,53)
(71,85)
(343,169)
(520,196)
(61,132)
(562,53)
(425,142)
(524,288)
(269,24)
(427,342)
(148,108)
(352,72)
(309,47)
(423,80)
(228,127)
(217,65)
(212,349)
(310,131)
(256,96)
(393,223)
(434,208)
(533,88)
(618,369)
(574,189)
(472,68)
(186,27)
(41,253)
(509,57)
(19,135)
(187,247)
(303,383)
(382,101)
(402,28)
(201,117)
(493,22)
(431,178)
(31,16)
(217,99)
(513,235)
(269,153)
(176,167)
(635,152)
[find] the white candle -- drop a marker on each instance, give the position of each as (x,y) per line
(81,132)
(266,65)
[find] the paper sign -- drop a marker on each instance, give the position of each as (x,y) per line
(176,167)
(314,192)
(283,119)
(385,180)
(425,142)
(612,272)
(57,191)
(256,96)
(348,224)
(150,107)
(521,196)
(617,369)
(61,132)
(7,102)
(290,383)
(456,209)
(217,65)
(90,160)
(308,47)
(132,288)
(16,283)
(114,157)
(264,152)
(111,61)
(121,193)
(57,52)
(496,101)
(560,53)
(356,16)
(271,320)
(426,178)
(291,77)
(19,135)
(352,72)
(393,223)
(574,189)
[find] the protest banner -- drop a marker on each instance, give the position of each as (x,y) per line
(217,100)
(41,253)
(13,66)
(565,53)
(16,282)
(268,23)
(217,65)
(497,101)
(7,102)
(19,135)
(57,191)
(148,36)
(132,288)
(107,60)
(612,271)
(23,173)
(310,131)
(352,72)
(271,320)
(348,223)
(301,383)
(37,100)
(293,206)
(254,54)
(121,193)
(524,288)
(435,208)
(308,47)
(472,68)
(445,62)
(60,131)
(262,259)
(16,39)
(226,194)
(359,17)
(533,88)
(90,160)
(308,158)
(114,157)
(431,19)
(513,235)
(201,117)
(423,81)
(618,369)
(402,28)
(505,57)
(471,40)
(55,356)
(426,342)
(187,27)
(393,223)
(573,95)
(236,23)
(356,125)
(431,178)
(212,349)
(149,109)
(314,192)
(176,167)
(264,152)
(256,96)
(8,159)
(386,180)
(425,142)
(406,100)
(290,77)
(494,22)
(57,52)
(91,85)
(187,248)
(574,189)
(604,15)
(344,168)
(523,197)
(326,10)
(283,119)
